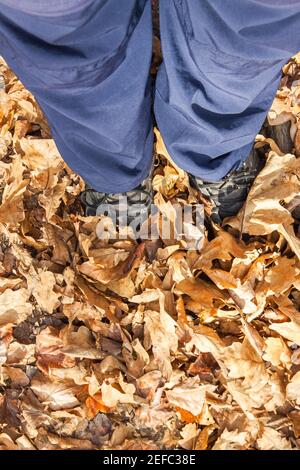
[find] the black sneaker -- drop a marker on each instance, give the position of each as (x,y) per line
(122,208)
(229,194)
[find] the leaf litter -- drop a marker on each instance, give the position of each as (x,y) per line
(115,344)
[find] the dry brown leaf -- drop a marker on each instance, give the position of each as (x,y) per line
(40,154)
(160,333)
(111,396)
(41,285)
(188,436)
(278,181)
(14,306)
(293,388)
(190,396)
(272,440)
(58,396)
(277,352)
(201,293)
(289,330)
(12,207)
(102,274)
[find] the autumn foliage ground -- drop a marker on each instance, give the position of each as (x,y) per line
(123,345)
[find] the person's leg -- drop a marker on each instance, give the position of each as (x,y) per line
(87,63)
(222,65)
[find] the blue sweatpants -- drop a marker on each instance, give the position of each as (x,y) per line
(87,63)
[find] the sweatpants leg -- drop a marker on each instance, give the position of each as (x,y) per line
(87,63)
(221,69)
